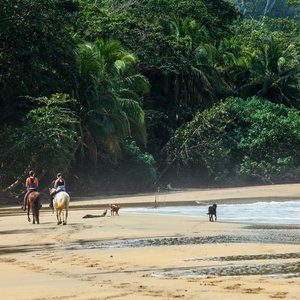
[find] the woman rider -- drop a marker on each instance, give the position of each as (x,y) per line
(31,184)
(59,185)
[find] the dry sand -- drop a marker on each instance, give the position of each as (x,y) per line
(47,261)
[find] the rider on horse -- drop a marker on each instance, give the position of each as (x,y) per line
(59,186)
(31,184)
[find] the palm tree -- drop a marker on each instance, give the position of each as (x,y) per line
(110,95)
(274,74)
(196,83)
(187,29)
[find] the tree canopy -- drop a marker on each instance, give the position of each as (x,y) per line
(122,87)
(243,140)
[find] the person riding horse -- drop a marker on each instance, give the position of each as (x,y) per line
(31,184)
(59,185)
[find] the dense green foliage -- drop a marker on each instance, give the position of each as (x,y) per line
(239,139)
(112,81)
(36,51)
(45,141)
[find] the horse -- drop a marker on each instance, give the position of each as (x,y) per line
(33,204)
(61,201)
(212,211)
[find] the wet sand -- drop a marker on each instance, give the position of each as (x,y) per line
(81,260)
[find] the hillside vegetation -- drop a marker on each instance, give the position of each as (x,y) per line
(123,96)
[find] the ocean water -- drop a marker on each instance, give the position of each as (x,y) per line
(286,212)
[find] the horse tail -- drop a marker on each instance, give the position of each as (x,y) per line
(35,202)
(64,203)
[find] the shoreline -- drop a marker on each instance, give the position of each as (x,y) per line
(99,205)
(251,194)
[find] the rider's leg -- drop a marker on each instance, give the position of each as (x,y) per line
(25,200)
(51,198)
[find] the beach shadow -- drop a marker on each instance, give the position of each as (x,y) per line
(26,231)
(25,248)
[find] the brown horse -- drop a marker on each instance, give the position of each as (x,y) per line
(33,204)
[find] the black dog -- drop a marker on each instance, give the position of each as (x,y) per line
(212,211)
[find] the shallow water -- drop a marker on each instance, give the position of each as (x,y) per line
(280,270)
(285,212)
(269,236)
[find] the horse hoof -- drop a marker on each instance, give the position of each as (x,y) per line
(64,223)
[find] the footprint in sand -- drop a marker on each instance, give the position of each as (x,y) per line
(233,287)
(279,295)
(7,260)
(253,291)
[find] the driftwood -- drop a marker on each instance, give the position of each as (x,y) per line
(95,216)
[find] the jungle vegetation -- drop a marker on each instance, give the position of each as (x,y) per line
(126,95)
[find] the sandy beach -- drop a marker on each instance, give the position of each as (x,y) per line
(133,256)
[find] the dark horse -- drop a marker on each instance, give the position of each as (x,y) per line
(33,201)
(212,211)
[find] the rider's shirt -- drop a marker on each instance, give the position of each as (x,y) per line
(59,185)
(59,182)
(32,183)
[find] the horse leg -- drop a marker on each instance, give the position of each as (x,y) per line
(37,214)
(37,211)
(33,209)
(58,214)
(65,221)
(57,217)
(28,212)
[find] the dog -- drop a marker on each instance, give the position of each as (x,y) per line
(114,209)
(212,211)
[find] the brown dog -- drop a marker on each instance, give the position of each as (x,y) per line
(114,209)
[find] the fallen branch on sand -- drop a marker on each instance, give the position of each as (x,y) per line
(95,216)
